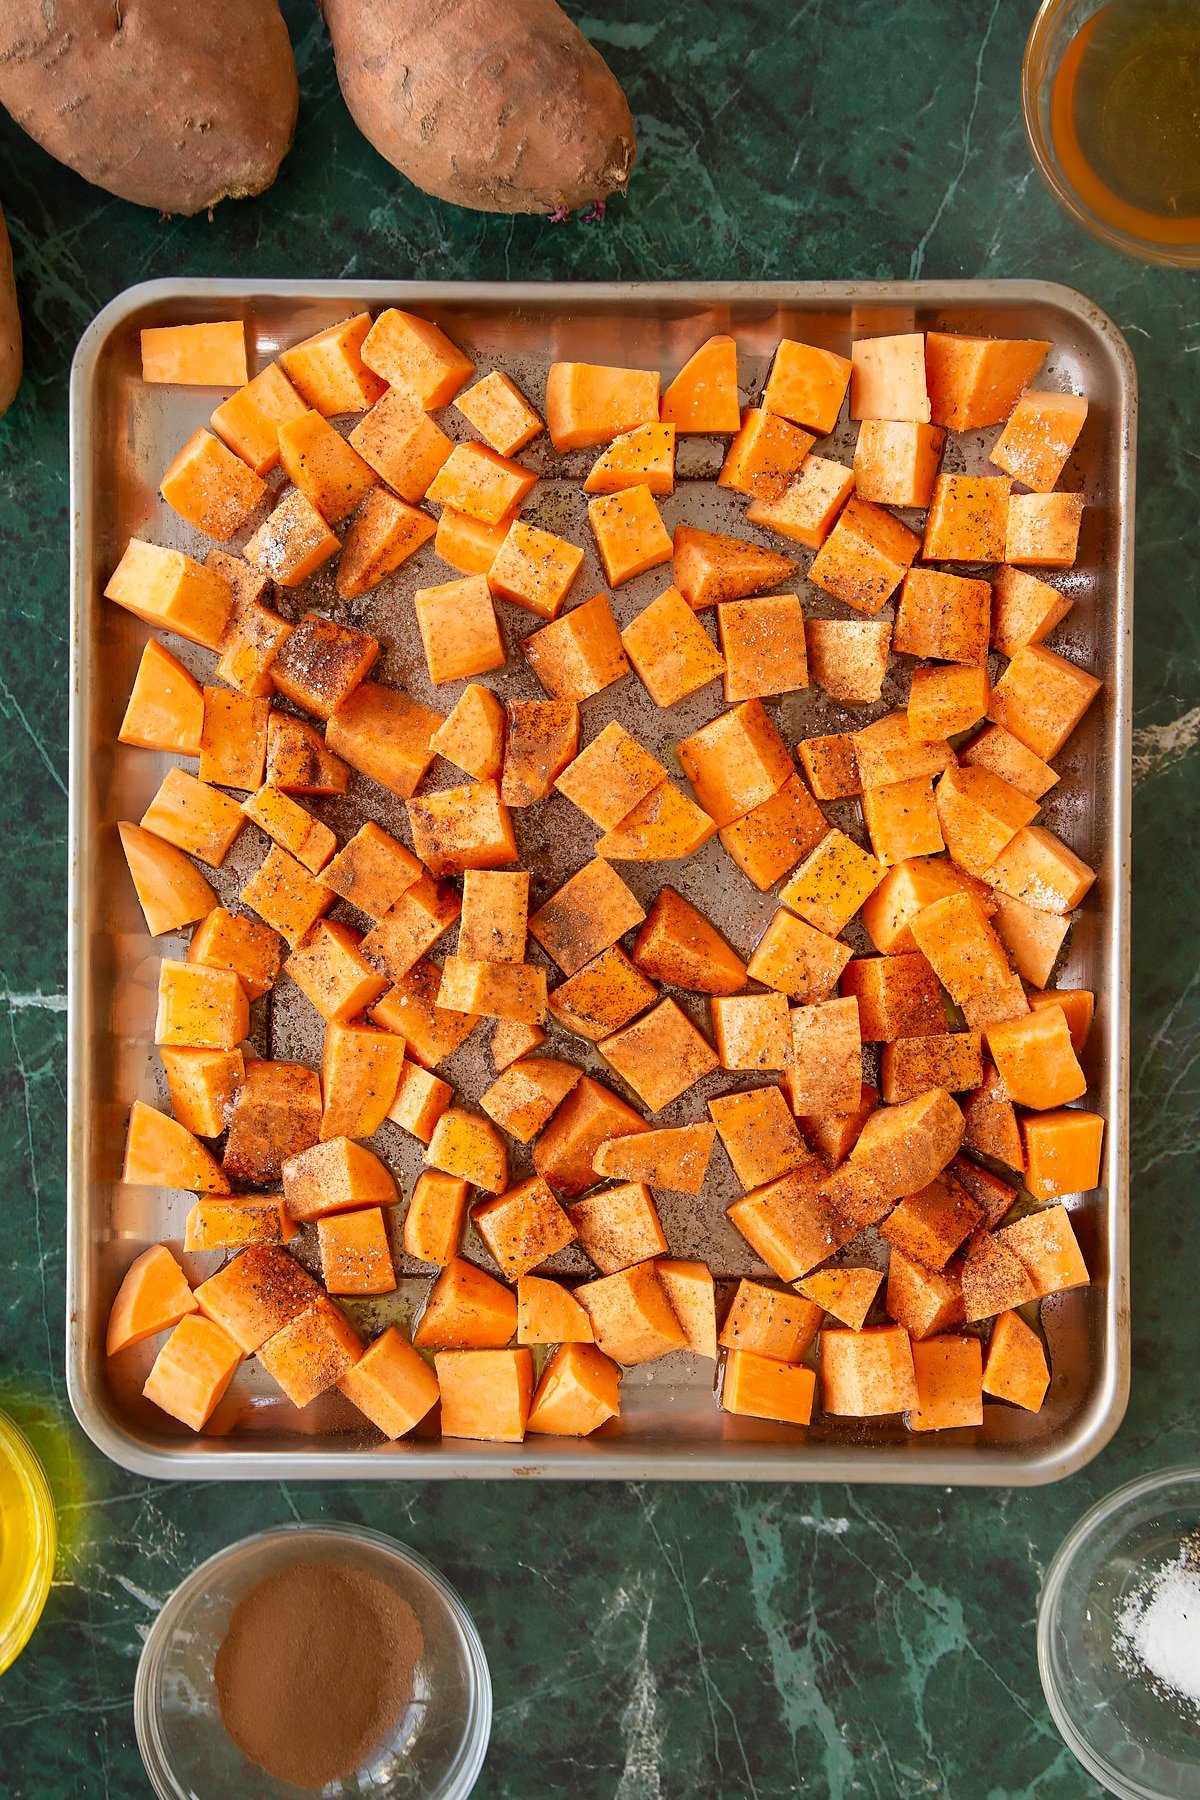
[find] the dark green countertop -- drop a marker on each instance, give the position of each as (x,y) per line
(645,1641)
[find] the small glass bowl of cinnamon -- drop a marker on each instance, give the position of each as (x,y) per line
(326,1659)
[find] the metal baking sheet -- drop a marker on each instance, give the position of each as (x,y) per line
(124,433)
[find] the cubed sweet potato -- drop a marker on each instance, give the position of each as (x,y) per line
(760,1387)
(466,1310)
(976,381)
(1016,1368)
(1040,698)
(980,813)
(512,1040)
(949,1373)
(312,1352)
(372,870)
(751,1031)
(765,457)
(1036,1060)
(384,532)
(846,1294)
(760,1135)
(619,1226)
(824,1070)
(153,1296)
(360,1072)
(848,658)
(968,959)
(192,1371)
(334,1177)
(548,1313)
(225,940)
(867,1373)
(249,420)
(199,1006)
(587,1118)
(675,1158)
(806,509)
(631,1316)
(887,378)
(670,649)
(485,1393)
(587,914)
(943,616)
(791,1224)
(771,1323)
(930,1225)
(402,444)
(629,533)
(541,740)
(901,1149)
(773,836)
(1062,1151)
(391,1384)
(660,1055)
(173,592)
(991,1121)
(832,883)
(422,914)
(523,1226)
(256,1294)
(197,819)
(924,1301)
(291,826)
(459,629)
(644,456)
(579,655)
(328,370)
(1043,529)
(292,542)
(476,481)
(356,1257)
(298,759)
(944,701)
(1033,939)
(436,1216)
(384,734)
(319,461)
(833,1135)
(331,971)
(201,1085)
(470,1148)
(711,567)
(588,404)
(864,557)
(534,569)
(807,384)
(996,749)
(664,827)
(579,1391)
(948,1059)
(1025,609)
(896,462)
(905,890)
(472,734)
(602,996)
(523,1097)
(797,959)
(459,828)
(276,1115)
(677,944)
(500,413)
(410,1009)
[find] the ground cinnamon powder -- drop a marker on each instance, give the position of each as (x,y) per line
(315,1667)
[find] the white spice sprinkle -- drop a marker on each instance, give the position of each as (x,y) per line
(1158,1633)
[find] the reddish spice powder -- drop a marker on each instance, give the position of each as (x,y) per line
(315,1667)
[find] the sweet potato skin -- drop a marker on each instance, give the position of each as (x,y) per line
(494,105)
(216,94)
(10,326)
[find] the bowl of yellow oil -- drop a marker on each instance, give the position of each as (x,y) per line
(28,1538)
(1111,95)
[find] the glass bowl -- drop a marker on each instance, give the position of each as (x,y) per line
(1090,202)
(433,1751)
(28,1539)
(1128,1734)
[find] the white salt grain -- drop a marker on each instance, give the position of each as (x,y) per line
(1158,1632)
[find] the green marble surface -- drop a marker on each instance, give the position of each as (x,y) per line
(645,1642)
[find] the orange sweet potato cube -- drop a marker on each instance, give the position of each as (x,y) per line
(832,1136)
(901,1149)
(887,378)
(234,1223)
(579,655)
(619,1226)
(328,368)
(578,1392)
(291,826)
(770,1323)
(1062,1151)
(212,354)
(632,1318)
(1036,1060)
(249,420)
(1043,529)
(466,1310)
(523,1096)
(735,762)
(298,761)
(534,569)
(950,1059)
(924,1301)
(967,519)
(791,1225)
(642,457)
(807,385)
(602,996)
(588,404)
(153,1296)
(674,1158)
(495,912)
(759,1387)
(360,1071)
(192,1371)
(797,959)
(470,1148)
(166,705)
(587,1118)
(436,1216)
(846,1294)
(902,820)
(461,828)
(629,533)
(670,649)
(548,1313)
(896,462)
(1032,938)
(402,444)
(172,591)
(356,1257)
(1024,609)
(1016,1368)
(541,740)
(500,413)
(690,1289)
(994,1193)
(898,996)
(384,532)
(664,827)
(485,1393)
(711,567)
(848,658)
(459,630)
(949,1372)
(1037,867)
(824,1070)
(991,1122)
(321,664)
(468,545)
(372,870)
(256,1294)
(318,460)
(415,355)
(943,616)
(830,766)
(1040,698)
(330,970)
(968,959)
(211,488)
(886,753)
(225,940)
(1039,437)
(1045,1244)
(334,1177)
(806,510)
(292,542)
(864,558)
(201,1007)
(311,1352)
(913,884)
(947,700)
(832,883)
(472,734)
(201,1085)
(391,1384)
(276,1115)
(493,990)
(523,1226)
(1004,755)
(512,1040)
(752,1031)
(196,818)
(762,641)
(976,381)
(867,1373)
(476,481)
(410,1010)
(608,779)
(930,1225)
(419,1101)
(678,945)
(413,925)
(704,394)
(587,914)
(765,456)
(660,1055)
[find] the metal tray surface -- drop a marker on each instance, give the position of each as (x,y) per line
(124,432)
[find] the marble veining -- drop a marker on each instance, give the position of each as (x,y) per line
(646,1643)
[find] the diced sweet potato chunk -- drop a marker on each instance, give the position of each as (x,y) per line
(192,1371)
(950,1059)
(994,1279)
(276,1115)
(711,567)
(678,945)
(419,1101)
(765,456)
(485,1393)
(249,420)
(1062,1151)
(898,996)
(791,1225)
(929,1226)
(905,890)
(832,883)
(901,1149)
(848,658)
(402,444)
(437,1213)
(578,1392)
(760,1135)
(524,1096)
(944,701)
(534,569)
(664,827)
(675,1158)
(833,1135)
(866,1373)
(642,457)
(588,404)
(629,533)
(292,826)
(949,1372)
(1032,939)
(1046,1245)
(384,532)
(356,1257)
(172,591)
(1036,1060)
(589,1115)
(587,914)
(468,545)
(548,1313)
(1043,529)
(579,655)
(416,356)
(902,821)
(466,1310)
(660,1055)
(410,1009)
(298,760)
(943,616)
(312,1351)
(864,558)
(670,649)
(619,1226)
(887,378)
(602,996)
(523,1226)
(976,381)
(1016,1367)
(203,1007)
(512,1040)
(196,818)
(1025,609)
(360,1071)
(285,896)
(846,1294)
(234,1223)
(322,663)
(797,959)
(171,891)
(751,1031)
(824,1070)
(372,870)
(330,970)
(422,914)
(153,1296)
(770,1323)
(1040,698)
(736,762)
(384,734)
(328,371)
(499,411)
(257,1294)
(607,780)
(292,542)
(201,1085)
(469,1147)
(968,960)
(334,1177)
(759,1387)
(391,1384)
(771,838)
(493,990)
(472,734)
(924,1301)
(476,481)
(631,1316)
(541,740)
(991,1121)
(980,814)
(807,384)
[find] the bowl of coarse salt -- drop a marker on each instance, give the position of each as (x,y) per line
(1119,1638)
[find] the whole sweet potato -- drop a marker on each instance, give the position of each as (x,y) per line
(174,104)
(500,105)
(10,325)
